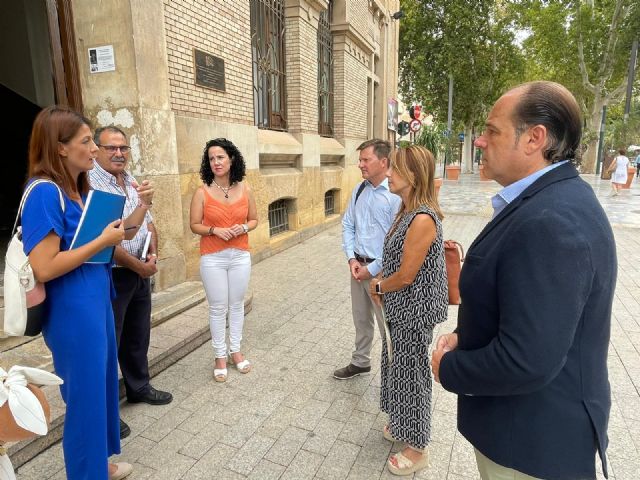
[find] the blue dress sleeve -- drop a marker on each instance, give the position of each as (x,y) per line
(41,214)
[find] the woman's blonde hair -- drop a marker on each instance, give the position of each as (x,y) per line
(417,166)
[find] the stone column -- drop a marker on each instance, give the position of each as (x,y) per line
(135,97)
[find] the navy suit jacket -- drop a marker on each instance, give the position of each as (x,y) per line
(533,330)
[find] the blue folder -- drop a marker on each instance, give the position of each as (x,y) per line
(100,209)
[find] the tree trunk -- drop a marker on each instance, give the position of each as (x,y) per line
(467,158)
(594,121)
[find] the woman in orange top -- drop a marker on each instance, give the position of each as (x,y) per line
(223,212)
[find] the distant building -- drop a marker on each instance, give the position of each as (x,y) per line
(296,84)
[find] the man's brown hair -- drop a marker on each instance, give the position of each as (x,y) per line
(381,148)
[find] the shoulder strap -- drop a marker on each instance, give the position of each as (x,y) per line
(26,193)
(360,189)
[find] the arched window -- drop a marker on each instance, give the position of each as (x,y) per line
(269,77)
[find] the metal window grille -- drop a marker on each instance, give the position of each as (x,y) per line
(269,76)
(329,202)
(278,217)
(325,73)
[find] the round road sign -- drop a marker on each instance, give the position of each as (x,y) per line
(415,125)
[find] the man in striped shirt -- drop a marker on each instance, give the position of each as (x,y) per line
(132,271)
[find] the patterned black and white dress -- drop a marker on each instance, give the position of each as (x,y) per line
(412,314)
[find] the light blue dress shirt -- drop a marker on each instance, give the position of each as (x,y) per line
(509,193)
(366,223)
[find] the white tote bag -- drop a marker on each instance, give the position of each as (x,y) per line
(23,296)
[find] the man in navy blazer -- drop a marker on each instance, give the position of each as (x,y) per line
(528,358)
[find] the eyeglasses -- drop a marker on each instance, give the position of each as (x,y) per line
(124,149)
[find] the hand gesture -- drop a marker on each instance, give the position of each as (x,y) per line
(113,233)
(225,234)
(145,191)
(444,344)
(236,230)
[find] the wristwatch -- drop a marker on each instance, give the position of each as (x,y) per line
(378,289)
(245,227)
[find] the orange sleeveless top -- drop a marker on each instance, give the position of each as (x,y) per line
(224,215)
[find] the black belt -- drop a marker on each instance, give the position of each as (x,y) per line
(362,259)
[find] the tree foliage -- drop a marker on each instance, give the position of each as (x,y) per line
(583,45)
(467,39)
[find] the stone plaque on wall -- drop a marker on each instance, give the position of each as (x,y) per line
(209,70)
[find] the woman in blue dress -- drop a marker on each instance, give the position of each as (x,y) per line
(79,328)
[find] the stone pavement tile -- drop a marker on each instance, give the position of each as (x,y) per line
(374,451)
(44,466)
(165,424)
(357,427)
(323,437)
(443,427)
(250,454)
(338,462)
(361,472)
(370,401)
(199,444)
(623,469)
(439,455)
(142,472)
(463,459)
(311,414)
(279,421)
(238,433)
(304,466)
(342,406)
(174,466)
(266,470)
(629,406)
(166,451)
(624,447)
(136,448)
(211,463)
(286,447)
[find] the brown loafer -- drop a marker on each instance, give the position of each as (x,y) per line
(124,470)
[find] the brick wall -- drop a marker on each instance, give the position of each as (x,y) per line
(221,28)
(302,75)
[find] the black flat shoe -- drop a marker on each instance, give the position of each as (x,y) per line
(125,431)
(152,397)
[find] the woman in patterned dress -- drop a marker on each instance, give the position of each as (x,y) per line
(413,290)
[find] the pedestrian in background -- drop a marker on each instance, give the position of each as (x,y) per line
(369,215)
(79,327)
(528,359)
(619,167)
(223,212)
(412,289)
(131,273)
(638,165)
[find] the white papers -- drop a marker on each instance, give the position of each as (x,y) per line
(145,249)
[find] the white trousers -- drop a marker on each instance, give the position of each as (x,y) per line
(225,276)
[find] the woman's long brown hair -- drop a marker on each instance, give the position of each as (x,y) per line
(417,166)
(54,125)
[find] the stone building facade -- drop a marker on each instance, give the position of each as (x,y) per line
(275,94)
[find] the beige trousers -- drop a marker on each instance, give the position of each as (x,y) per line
(365,314)
(490,470)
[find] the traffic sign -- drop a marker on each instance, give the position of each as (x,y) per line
(415,125)
(461,137)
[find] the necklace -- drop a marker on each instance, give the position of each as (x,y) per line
(224,190)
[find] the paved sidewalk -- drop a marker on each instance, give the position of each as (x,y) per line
(289,419)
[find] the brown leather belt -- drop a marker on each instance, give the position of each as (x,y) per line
(362,259)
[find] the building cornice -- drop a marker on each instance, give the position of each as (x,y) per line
(352,34)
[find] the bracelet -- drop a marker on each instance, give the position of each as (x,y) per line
(144,205)
(211,230)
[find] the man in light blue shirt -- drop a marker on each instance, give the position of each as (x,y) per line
(370,213)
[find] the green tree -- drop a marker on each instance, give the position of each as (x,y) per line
(467,39)
(586,47)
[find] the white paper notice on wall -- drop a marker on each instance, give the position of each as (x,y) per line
(101,59)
